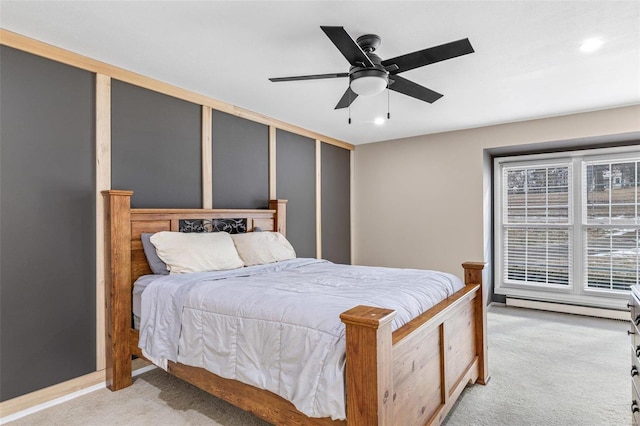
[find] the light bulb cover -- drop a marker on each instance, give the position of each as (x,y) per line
(369,81)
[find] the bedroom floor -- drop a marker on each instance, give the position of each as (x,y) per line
(546,369)
(550,369)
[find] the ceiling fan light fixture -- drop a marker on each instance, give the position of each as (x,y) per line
(368,82)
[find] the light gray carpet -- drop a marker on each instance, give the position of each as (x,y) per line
(546,369)
(551,369)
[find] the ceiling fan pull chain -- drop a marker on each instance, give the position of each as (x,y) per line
(349,105)
(388,108)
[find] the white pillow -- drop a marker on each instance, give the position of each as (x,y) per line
(196,252)
(257,248)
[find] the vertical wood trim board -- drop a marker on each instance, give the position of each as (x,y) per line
(272,163)
(207,169)
(352,163)
(103,182)
(318,199)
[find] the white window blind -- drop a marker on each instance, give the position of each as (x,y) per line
(537,220)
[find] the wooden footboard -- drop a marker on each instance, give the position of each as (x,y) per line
(412,376)
(415,374)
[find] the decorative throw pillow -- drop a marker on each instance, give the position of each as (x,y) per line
(258,248)
(155,263)
(196,252)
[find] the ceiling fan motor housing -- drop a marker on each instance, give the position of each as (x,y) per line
(369,42)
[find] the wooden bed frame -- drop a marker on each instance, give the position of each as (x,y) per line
(412,376)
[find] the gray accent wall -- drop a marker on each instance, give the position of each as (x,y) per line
(156,147)
(296,182)
(336,204)
(48,199)
(47,222)
(240,162)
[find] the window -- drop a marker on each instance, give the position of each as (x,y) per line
(611,224)
(567,227)
(537,219)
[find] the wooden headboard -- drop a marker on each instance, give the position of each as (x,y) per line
(125,261)
(182,220)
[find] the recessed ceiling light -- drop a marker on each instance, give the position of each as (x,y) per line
(379,121)
(591,44)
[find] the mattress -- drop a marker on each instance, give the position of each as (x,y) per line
(277,326)
(138,287)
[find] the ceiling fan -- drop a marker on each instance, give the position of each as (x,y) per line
(370,75)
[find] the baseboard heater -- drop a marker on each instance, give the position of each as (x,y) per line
(569,309)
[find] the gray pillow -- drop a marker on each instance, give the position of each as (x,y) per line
(156,264)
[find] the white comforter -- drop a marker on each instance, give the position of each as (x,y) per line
(277,326)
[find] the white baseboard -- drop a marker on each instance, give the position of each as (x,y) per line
(143,370)
(569,309)
(51,403)
(33,402)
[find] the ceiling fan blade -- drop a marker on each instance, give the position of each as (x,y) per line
(346,99)
(345,44)
(429,56)
(310,77)
(409,88)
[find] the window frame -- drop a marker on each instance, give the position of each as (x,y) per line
(577,292)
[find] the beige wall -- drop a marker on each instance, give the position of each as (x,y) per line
(419,202)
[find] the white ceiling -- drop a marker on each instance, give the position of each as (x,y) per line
(526,63)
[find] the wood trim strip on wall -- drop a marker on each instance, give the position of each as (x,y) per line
(207,166)
(352,177)
(272,164)
(17,41)
(318,199)
(103,182)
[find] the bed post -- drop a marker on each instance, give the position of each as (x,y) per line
(473,276)
(280,206)
(118,283)
(368,335)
